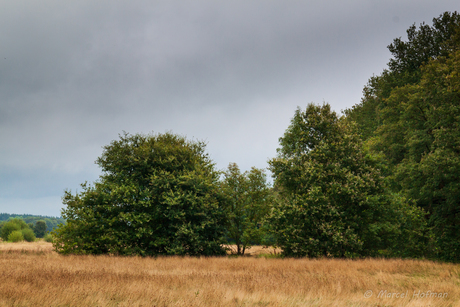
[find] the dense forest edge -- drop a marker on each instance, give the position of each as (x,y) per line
(380,180)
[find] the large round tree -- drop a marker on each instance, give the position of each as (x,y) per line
(157,196)
(332,198)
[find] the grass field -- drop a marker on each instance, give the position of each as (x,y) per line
(33,275)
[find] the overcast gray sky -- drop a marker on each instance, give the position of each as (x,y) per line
(75,74)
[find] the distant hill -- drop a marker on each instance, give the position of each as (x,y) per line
(51,221)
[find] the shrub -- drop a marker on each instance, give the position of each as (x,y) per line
(28,234)
(9,227)
(48,238)
(17,224)
(16,236)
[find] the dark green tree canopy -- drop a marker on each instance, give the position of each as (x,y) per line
(326,180)
(334,201)
(246,201)
(409,116)
(425,43)
(307,130)
(317,136)
(157,195)
(40,228)
(422,45)
(429,172)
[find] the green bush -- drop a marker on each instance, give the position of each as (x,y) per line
(48,238)
(17,224)
(16,236)
(9,227)
(28,234)
(40,229)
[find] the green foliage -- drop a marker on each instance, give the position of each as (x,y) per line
(432,161)
(312,220)
(48,237)
(333,200)
(40,228)
(246,204)
(409,116)
(13,225)
(7,229)
(51,222)
(28,234)
(423,44)
(157,195)
(15,236)
(420,138)
(400,230)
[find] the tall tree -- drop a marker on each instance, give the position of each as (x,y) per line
(40,228)
(334,203)
(404,68)
(247,202)
(409,116)
(157,195)
(430,170)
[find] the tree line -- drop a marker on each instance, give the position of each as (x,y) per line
(16,230)
(380,180)
(51,222)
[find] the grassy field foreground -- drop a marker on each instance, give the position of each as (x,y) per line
(33,275)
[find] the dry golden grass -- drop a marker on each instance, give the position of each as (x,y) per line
(255,250)
(37,276)
(38,246)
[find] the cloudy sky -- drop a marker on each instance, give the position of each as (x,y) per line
(75,74)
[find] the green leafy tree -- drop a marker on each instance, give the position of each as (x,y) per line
(423,44)
(409,116)
(52,223)
(430,170)
(247,202)
(13,225)
(28,234)
(40,228)
(157,195)
(334,202)
(419,137)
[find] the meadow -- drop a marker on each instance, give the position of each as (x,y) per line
(34,275)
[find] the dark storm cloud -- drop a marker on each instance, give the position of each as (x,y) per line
(74,74)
